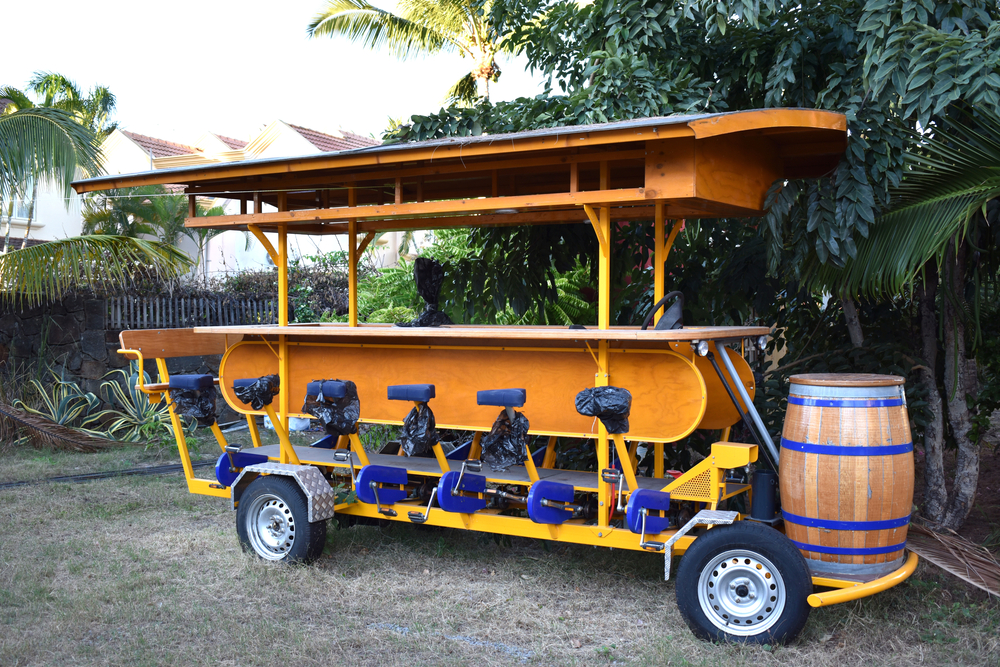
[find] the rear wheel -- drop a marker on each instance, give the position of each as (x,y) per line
(272,521)
(744,583)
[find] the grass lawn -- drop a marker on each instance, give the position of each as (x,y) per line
(136,571)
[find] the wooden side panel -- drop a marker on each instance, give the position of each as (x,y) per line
(167,343)
(668,394)
(670,168)
(720,411)
(736,170)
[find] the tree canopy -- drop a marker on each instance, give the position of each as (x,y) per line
(892,66)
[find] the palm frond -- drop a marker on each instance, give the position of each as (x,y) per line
(20,426)
(376,28)
(949,180)
(465,91)
(47,270)
(41,142)
(953,553)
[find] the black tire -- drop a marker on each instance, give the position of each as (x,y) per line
(272,521)
(744,583)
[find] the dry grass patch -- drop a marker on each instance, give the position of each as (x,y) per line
(137,571)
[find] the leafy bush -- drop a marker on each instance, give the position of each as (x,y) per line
(134,418)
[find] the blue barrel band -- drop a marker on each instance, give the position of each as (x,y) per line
(838,450)
(884,524)
(847,551)
(846,402)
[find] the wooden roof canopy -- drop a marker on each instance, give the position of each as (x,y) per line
(713,165)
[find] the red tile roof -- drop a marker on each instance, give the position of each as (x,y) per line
(330,144)
(159,147)
(235,144)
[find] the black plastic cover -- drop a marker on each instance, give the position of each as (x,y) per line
(260,393)
(197,404)
(339,416)
(506,443)
(611,405)
(419,434)
(428,274)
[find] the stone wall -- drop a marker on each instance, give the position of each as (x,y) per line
(71,337)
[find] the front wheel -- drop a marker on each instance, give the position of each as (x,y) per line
(744,583)
(272,521)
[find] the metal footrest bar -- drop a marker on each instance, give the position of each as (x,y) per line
(417,517)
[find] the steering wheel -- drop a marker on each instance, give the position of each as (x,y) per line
(673,318)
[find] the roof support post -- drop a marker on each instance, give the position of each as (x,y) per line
(192,206)
(352,261)
(659,270)
(258,206)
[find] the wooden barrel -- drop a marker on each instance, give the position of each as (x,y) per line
(846,473)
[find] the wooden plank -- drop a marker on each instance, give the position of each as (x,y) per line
(167,343)
(421,208)
(388,333)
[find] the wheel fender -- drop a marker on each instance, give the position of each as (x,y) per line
(320,496)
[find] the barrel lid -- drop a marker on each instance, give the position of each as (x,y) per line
(847,380)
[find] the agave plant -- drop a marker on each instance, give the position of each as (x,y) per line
(134,418)
(63,403)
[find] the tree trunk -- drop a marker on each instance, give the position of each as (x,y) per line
(853,322)
(935,491)
(10,221)
(959,383)
(31,214)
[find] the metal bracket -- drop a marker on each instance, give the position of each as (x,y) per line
(474,465)
(345,455)
(703,518)
(320,496)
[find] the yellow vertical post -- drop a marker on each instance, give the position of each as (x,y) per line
(659,271)
(603,357)
(658,463)
(281,428)
(352,261)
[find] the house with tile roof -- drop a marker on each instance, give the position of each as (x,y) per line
(128,152)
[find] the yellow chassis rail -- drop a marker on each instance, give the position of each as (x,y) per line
(853,590)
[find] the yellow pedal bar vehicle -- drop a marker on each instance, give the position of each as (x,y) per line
(739,579)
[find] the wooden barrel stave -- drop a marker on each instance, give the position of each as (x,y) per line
(829,496)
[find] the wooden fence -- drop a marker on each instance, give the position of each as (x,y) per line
(132,312)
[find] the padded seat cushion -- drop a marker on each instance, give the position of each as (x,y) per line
(245,382)
(512,398)
(191,382)
(330,388)
(411,392)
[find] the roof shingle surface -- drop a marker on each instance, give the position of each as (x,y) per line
(330,144)
(159,147)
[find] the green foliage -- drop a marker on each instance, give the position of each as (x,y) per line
(391,315)
(133,418)
(892,66)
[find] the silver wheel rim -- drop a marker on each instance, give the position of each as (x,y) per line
(270,526)
(741,593)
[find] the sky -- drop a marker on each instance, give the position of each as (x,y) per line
(179,69)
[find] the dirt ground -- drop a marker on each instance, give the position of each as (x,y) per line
(136,571)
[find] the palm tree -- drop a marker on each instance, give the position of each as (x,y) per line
(945,206)
(37,143)
(55,91)
(421,27)
(150,211)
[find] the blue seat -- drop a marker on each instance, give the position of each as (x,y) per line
(380,475)
(650,501)
(460,453)
(461,504)
(326,442)
(191,382)
(224,468)
(504,398)
(420,393)
(329,388)
(545,490)
(245,382)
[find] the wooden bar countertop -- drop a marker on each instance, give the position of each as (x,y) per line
(467,332)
